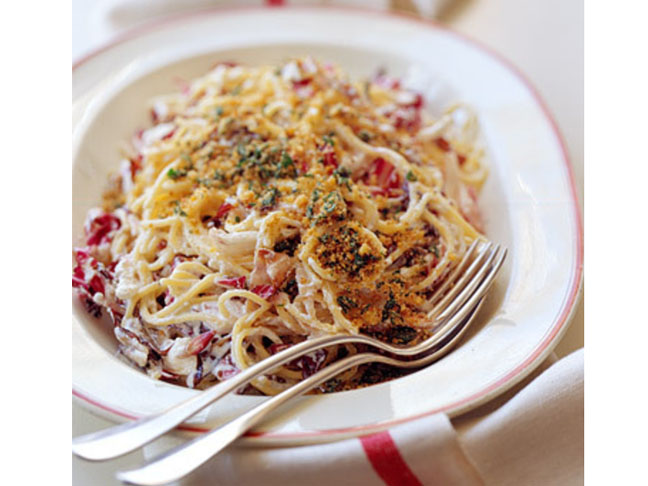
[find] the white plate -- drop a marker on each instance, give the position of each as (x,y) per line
(529,203)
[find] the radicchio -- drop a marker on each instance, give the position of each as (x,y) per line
(309,364)
(199,343)
(265,291)
(329,156)
(383,174)
(225,368)
(90,275)
(235,282)
(99,229)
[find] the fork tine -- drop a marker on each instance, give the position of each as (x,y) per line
(462,280)
(469,284)
(478,288)
(454,274)
(496,261)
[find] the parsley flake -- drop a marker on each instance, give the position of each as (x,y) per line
(178,209)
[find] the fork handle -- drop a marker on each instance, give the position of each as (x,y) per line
(124,438)
(182,460)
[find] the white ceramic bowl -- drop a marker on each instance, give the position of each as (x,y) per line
(529,204)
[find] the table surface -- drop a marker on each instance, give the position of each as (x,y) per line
(544,38)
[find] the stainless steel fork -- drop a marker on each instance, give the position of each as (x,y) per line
(455,299)
(177,463)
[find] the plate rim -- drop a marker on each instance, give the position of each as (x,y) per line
(497,387)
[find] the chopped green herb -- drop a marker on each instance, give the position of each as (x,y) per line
(346,303)
(291,288)
(270,198)
(174,174)
(391,311)
(329,205)
(178,209)
(341,251)
(379,372)
(331,385)
(364,135)
(402,334)
(288,246)
(411,177)
(265,162)
(204,182)
(330,202)
(286,160)
(342,177)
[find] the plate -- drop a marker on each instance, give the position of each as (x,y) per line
(529,203)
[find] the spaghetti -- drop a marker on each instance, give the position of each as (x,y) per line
(268,205)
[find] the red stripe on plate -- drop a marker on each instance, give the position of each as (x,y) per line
(386,459)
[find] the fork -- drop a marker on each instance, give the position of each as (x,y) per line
(182,460)
(179,462)
(464,289)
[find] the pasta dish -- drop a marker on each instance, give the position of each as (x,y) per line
(268,205)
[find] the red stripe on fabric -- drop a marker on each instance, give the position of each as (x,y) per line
(274,3)
(386,459)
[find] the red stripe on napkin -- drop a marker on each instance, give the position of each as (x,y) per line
(387,461)
(274,3)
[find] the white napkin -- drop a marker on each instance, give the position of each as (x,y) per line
(534,438)
(96,22)
(126,13)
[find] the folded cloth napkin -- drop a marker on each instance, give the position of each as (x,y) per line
(534,438)
(95,23)
(126,13)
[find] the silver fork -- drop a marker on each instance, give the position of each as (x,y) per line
(457,296)
(182,460)
(178,462)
